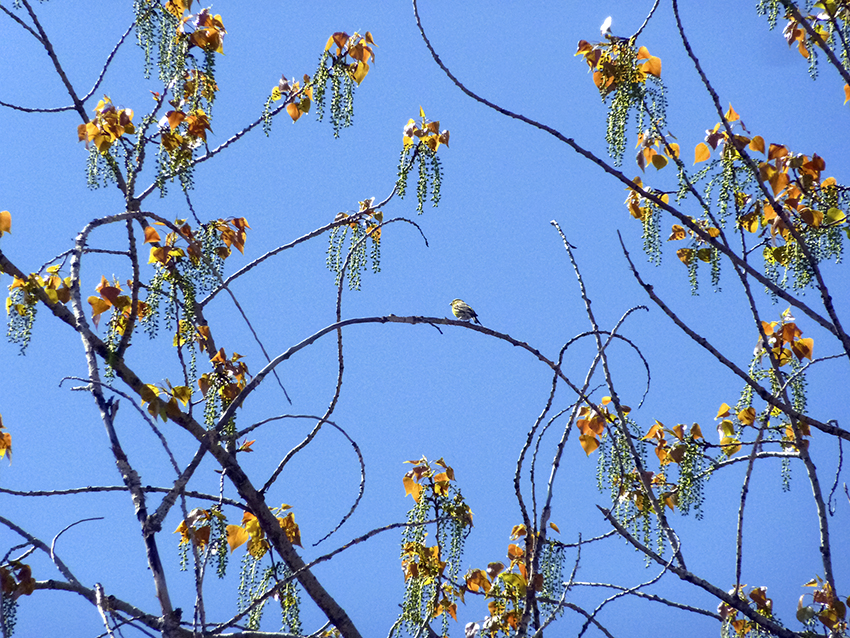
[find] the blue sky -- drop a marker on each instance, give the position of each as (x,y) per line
(410,390)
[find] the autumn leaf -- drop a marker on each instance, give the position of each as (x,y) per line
(5,222)
(294,111)
(588,443)
(701,153)
(237,536)
(151,236)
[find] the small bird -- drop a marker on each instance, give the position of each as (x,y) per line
(462,311)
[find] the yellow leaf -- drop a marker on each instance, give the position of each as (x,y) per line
(778,181)
(659,161)
(555,527)
(5,222)
(846,93)
(747,416)
(723,411)
(835,216)
(730,445)
(731,115)
(236,536)
(515,580)
(98,305)
(696,431)
(677,233)
(412,488)
(701,153)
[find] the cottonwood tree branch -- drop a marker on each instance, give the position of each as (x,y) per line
(814,35)
(685,220)
(684,574)
(826,298)
(766,396)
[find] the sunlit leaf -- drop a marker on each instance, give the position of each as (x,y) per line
(5,222)
(701,153)
(237,536)
(685,255)
(802,348)
(731,115)
(677,233)
(294,111)
(588,443)
(757,144)
(730,445)
(151,235)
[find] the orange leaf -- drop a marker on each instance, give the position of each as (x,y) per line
(803,348)
(653,66)
(701,153)
(5,222)
(588,443)
(412,487)
(846,93)
(151,235)
(294,111)
(757,144)
(731,115)
(778,181)
(776,150)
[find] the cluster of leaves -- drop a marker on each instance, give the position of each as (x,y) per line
(351,255)
(507,586)
(203,528)
(741,625)
(829,30)
(209,529)
(620,72)
(345,67)
(421,140)
(16,580)
(22,302)
(831,611)
(255,581)
(431,572)
(174,32)
(108,126)
(784,201)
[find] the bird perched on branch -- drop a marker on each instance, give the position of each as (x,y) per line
(462,311)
